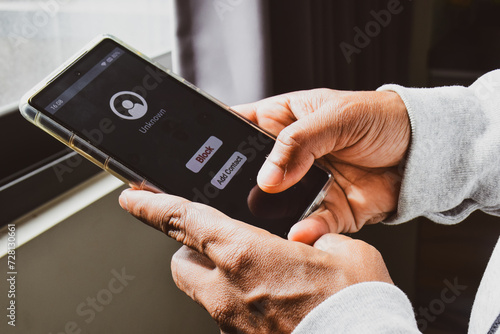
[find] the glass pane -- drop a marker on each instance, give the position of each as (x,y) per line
(36,36)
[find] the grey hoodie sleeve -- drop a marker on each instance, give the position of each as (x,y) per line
(452,169)
(453,163)
(367,308)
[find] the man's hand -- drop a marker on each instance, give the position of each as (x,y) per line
(361,137)
(249,280)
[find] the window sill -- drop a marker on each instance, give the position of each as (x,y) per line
(57,210)
(38,169)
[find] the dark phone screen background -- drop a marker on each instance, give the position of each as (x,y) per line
(177,123)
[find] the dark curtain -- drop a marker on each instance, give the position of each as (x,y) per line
(308,39)
(243,50)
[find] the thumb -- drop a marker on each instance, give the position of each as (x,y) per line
(294,152)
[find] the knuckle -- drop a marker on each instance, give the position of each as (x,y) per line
(290,138)
(223,313)
(305,139)
(172,220)
(207,235)
(363,250)
(358,245)
(377,218)
(288,147)
(238,259)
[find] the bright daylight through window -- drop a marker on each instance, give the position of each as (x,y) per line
(36,36)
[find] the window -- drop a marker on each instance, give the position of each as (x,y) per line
(36,36)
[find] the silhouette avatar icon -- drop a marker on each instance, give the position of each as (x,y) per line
(128,105)
(135,110)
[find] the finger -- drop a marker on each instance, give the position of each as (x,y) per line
(296,148)
(311,229)
(193,273)
(249,111)
(271,114)
(333,216)
(332,243)
(197,226)
(372,195)
(267,108)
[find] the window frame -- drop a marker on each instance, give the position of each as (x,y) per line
(35,184)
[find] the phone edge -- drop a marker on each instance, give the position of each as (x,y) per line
(107,163)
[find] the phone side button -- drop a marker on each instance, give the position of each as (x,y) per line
(53,128)
(190,85)
(88,151)
(123,173)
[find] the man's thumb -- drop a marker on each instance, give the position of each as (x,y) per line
(294,152)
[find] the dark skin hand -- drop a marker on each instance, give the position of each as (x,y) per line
(251,281)
(360,137)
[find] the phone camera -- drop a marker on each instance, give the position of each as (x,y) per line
(78,73)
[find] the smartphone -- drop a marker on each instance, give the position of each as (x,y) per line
(158,132)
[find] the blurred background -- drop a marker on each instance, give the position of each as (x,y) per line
(72,236)
(37,36)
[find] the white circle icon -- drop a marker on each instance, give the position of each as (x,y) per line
(128,105)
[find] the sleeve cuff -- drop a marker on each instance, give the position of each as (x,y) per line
(440,173)
(370,307)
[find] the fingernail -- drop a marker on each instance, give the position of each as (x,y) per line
(270,175)
(292,232)
(123,200)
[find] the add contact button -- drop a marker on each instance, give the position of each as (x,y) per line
(230,168)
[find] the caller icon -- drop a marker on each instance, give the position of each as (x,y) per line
(128,105)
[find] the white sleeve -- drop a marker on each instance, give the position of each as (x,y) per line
(453,163)
(368,308)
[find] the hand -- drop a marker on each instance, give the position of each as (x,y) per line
(249,280)
(361,137)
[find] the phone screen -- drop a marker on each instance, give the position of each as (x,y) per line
(182,142)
